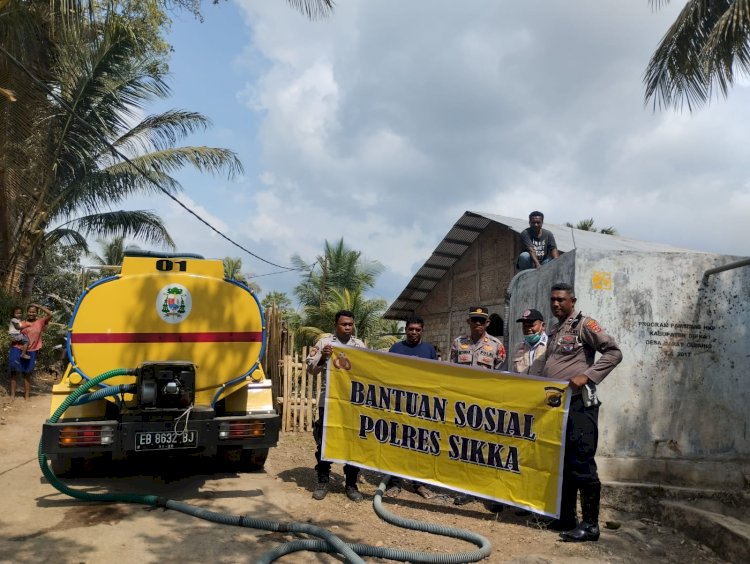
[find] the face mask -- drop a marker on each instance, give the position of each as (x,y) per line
(532,340)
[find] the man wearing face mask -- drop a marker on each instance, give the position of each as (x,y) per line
(529,356)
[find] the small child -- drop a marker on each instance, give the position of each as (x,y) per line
(14,331)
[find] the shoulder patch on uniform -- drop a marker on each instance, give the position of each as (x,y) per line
(594,326)
(501,352)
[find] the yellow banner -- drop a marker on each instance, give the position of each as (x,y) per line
(495,435)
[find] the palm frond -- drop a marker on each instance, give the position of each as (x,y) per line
(161,131)
(138,224)
(105,188)
(727,45)
(66,237)
(206,159)
(697,54)
(313,9)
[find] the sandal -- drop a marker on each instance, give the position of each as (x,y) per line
(393,491)
(425,492)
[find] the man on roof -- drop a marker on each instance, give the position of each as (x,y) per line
(539,244)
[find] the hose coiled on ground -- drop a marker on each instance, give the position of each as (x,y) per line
(329,543)
(484,550)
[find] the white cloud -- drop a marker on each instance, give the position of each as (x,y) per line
(387,121)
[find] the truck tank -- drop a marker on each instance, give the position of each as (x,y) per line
(193,341)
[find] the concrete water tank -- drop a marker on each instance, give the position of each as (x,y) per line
(675,411)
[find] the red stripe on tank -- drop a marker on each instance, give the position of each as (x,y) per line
(213,337)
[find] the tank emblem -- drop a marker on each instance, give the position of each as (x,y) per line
(173,304)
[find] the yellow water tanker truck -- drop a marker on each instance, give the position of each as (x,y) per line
(185,344)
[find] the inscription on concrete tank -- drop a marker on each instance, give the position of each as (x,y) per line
(689,336)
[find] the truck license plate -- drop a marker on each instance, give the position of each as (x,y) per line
(164,440)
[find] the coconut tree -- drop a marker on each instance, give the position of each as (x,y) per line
(112,251)
(339,267)
(368,315)
(588,225)
(59,99)
(75,171)
(700,53)
(233,271)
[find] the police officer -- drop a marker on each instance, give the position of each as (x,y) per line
(529,356)
(571,350)
(478,348)
(317,361)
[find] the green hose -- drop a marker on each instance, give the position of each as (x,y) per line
(78,494)
(484,550)
(329,543)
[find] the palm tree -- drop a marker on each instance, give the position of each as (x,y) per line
(698,53)
(368,315)
(71,176)
(588,225)
(113,251)
(280,302)
(344,276)
(340,268)
(53,169)
(233,271)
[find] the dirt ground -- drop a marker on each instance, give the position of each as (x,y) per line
(38,523)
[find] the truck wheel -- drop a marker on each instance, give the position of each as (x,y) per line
(253,460)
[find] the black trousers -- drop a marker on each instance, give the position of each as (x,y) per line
(579,467)
(323,467)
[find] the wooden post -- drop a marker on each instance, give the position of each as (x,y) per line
(287,393)
(309,400)
(302,391)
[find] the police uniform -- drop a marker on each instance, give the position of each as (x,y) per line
(488,352)
(571,350)
(323,467)
(529,359)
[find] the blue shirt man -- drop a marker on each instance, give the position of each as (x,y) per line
(412,346)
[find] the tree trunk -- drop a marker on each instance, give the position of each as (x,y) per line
(30,275)
(14,274)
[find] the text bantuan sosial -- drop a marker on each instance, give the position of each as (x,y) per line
(427,407)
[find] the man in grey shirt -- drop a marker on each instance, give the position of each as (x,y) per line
(539,244)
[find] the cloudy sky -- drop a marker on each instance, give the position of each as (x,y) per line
(384,123)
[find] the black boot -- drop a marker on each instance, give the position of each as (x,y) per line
(351,474)
(567,520)
(588,529)
(582,533)
(321,489)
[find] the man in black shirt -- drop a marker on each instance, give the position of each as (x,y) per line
(539,244)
